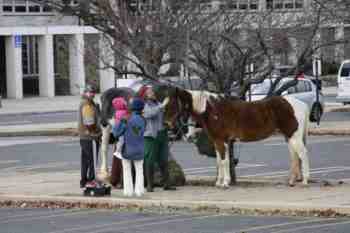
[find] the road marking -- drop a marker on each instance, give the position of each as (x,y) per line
(112,224)
(50,216)
(312,141)
(312,227)
(15,122)
(26,141)
(152,224)
(312,171)
(264,227)
(8,161)
(31,214)
(198,170)
(39,166)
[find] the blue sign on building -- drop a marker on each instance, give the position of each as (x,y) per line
(18,41)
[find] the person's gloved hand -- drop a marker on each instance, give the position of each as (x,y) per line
(165,102)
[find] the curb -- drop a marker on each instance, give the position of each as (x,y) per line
(137,204)
(36,113)
(43,132)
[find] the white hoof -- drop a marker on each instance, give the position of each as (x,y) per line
(128,194)
(218,183)
(225,185)
(139,194)
(305,182)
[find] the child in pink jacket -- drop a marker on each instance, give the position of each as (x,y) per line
(121,112)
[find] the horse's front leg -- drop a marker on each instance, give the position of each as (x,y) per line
(226,166)
(104,152)
(223,165)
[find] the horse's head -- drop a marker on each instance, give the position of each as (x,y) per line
(179,108)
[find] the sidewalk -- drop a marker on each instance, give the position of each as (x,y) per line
(248,197)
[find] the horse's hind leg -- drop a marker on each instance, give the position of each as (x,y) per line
(294,165)
(298,145)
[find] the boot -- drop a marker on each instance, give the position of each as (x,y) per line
(149,170)
(164,170)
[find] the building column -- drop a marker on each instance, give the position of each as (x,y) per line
(339,51)
(76,64)
(106,58)
(46,66)
(14,74)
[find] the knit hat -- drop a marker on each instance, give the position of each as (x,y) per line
(137,104)
(142,91)
(119,103)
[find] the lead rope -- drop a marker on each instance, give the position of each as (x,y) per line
(237,153)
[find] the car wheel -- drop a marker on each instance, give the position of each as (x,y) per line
(316,113)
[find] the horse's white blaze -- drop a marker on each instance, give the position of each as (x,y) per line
(199,100)
(296,142)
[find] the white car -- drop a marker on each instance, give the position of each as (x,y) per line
(343,94)
(305,91)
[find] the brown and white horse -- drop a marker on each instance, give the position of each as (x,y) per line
(230,119)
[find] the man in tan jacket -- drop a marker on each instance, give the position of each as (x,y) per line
(89,131)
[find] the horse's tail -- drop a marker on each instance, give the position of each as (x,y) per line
(306,125)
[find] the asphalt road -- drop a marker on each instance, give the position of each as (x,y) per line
(329,157)
(104,221)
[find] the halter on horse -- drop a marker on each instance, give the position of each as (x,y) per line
(230,119)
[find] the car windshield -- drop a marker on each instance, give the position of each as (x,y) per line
(261,88)
(345,71)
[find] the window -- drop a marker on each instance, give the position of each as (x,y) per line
(308,86)
(30,57)
(299,4)
(288,4)
(284,4)
(345,71)
(232,5)
(7,6)
(254,4)
(301,86)
(292,90)
(23,6)
(20,6)
(243,5)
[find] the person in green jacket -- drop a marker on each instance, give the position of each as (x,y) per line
(156,140)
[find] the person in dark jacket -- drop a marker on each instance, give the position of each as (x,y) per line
(156,140)
(89,131)
(132,130)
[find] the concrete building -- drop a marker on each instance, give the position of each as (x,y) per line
(29,38)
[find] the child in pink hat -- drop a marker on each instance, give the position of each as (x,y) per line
(121,112)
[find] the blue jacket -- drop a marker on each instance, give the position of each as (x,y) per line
(133,131)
